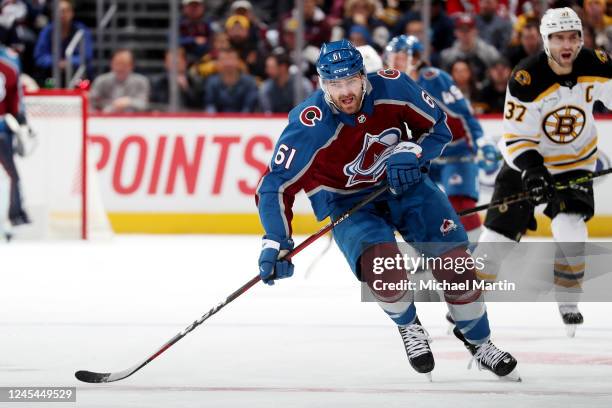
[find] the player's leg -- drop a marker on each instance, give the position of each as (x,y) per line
(363,237)
(5,191)
(460,183)
(17,214)
(5,188)
(504,226)
(569,213)
(426,218)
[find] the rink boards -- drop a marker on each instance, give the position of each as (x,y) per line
(198,173)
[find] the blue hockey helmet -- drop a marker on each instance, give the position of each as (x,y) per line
(404,43)
(339,59)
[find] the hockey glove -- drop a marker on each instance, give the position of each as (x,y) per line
(270,266)
(538,182)
(404,167)
(488,158)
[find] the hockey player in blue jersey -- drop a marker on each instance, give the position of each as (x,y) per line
(346,140)
(456,170)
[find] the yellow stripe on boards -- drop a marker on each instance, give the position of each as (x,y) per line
(185,223)
(174,223)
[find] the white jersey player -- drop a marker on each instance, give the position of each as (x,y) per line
(550,136)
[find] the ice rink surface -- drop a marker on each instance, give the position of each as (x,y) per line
(104,306)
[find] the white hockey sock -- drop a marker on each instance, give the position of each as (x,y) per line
(492,249)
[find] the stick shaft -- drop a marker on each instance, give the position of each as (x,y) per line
(525,195)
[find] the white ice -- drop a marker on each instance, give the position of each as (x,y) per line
(104,306)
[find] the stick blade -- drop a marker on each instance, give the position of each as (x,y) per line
(91,377)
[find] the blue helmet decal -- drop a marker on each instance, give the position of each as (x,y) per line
(404,43)
(339,59)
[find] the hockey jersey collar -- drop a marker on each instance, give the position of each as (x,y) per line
(367,107)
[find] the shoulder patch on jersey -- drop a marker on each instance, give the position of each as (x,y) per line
(310,114)
(522,77)
(602,55)
(532,77)
(430,73)
(593,63)
(389,73)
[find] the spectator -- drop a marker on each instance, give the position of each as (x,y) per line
(470,47)
(492,96)
(277,93)
(363,12)
(257,29)
(415,27)
(17,30)
(43,54)
(462,6)
(120,90)
(530,42)
(190,86)
(492,28)
(462,74)
(208,64)
(194,30)
(360,35)
(530,10)
(316,28)
(442,27)
(316,32)
(250,50)
(230,90)
(442,30)
(596,17)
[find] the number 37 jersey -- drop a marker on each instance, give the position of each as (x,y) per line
(553,114)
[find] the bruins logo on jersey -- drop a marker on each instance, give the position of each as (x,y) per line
(522,77)
(564,125)
(603,57)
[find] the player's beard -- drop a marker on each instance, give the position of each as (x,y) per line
(565,58)
(349,103)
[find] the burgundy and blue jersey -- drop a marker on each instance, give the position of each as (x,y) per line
(10,93)
(334,156)
(462,123)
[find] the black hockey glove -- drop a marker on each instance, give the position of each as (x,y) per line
(538,182)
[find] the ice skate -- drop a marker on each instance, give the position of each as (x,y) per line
(489,357)
(571,318)
(416,341)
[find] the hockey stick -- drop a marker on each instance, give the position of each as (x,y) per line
(93,377)
(525,195)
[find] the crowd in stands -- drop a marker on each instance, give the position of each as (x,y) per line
(240,56)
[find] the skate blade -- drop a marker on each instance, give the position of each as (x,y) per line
(570,330)
(429,377)
(512,376)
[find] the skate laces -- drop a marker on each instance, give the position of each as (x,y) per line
(416,339)
(487,355)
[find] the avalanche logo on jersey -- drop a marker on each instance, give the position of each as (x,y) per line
(370,162)
(389,73)
(310,114)
(447,226)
